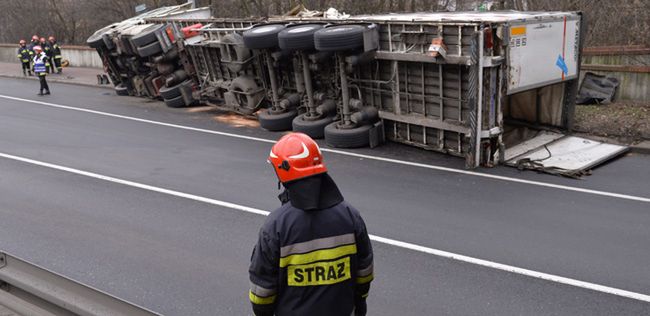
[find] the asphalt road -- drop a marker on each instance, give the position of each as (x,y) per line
(183,257)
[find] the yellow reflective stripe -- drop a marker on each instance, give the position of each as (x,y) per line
(364,295)
(261,300)
(365,279)
(318,255)
(319,273)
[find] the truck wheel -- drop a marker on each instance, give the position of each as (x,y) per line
(146,37)
(151,49)
(315,129)
(263,36)
(121,89)
(276,122)
(299,37)
(347,138)
(177,102)
(339,38)
(173,91)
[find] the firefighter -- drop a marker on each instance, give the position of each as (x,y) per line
(24,54)
(48,52)
(313,256)
(56,53)
(33,42)
(39,62)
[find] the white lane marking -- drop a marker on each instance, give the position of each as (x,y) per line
(346,153)
(388,241)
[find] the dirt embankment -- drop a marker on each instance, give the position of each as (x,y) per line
(625,121)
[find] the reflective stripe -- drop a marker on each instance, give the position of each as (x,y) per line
(57,57)
(318,255)
(364,295)
(320,243)
(260,291)
(261,300)
(365,279)
(319,273)
(366,271)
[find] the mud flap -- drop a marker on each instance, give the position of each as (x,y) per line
(376,134)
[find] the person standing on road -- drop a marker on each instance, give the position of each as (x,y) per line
(48,52)
(313,256)
(39,62)
(25,55)
(56,55)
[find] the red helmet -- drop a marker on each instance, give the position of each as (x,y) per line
(22,42)
(296,156)
(42,39)
(35,38)
(51,38)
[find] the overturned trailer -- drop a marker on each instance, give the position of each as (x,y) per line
(485,86)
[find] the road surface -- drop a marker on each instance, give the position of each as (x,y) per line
(127,196)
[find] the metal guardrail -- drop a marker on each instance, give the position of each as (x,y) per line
(28,289)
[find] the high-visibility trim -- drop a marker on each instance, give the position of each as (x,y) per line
(261,300)
(319,273)
(364,279)
(315,244)
(366,271)
(318,255)
(365,295)
(261,291)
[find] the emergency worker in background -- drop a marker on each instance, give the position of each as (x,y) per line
(313,256)
(25,55)
(48,52)
(56,54)
(39,62)
(34,42)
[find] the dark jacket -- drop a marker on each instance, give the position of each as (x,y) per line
(47,49)
(55,49)
(313,256)
(24,54)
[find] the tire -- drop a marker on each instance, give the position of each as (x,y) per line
(263,36)
(339,38)
(174,91)
(347,138)
(121,89)
(315,129)
(276,122)
(146,37)
(177,102)
(151,49)
(299,37)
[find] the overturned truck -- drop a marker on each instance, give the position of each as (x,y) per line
(492,87)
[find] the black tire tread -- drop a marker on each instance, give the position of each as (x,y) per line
(276,122)
(347,138)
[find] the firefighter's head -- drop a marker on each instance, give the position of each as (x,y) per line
(296,156)
(51,39)
(38,49)
(22,43)
(42,40)
(35,38)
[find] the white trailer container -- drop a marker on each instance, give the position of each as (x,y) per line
(492,87)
